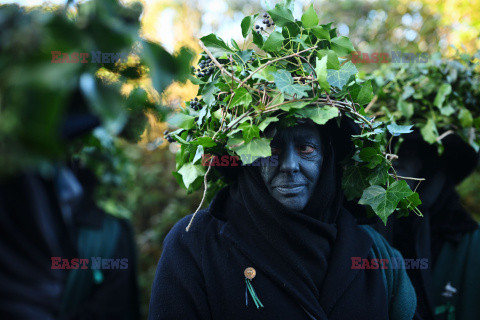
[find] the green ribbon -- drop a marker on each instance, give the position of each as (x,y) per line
(253,294)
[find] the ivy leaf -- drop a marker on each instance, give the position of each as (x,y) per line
(207,142)
(406,108)
(414,198)
(408,91)
(397,130)
(281,15)
(247,24)
(354,181)
(216,45)
(342,46)
(332,58)
(257,39)
(198,154)
(249,131)
(339,78)
(293,105)
(362,94)
(264,124)
(465,117)
(429,131)
(318,114)
(190,172)
(384,202)
(371,156)
(249,152)
(379,175)
(284,83)
(274,42)
(241,57)
(208,93)
(444,90)
(321,71)
(241,97)
(181,120)
(321,33)
(310,18)
(264,74)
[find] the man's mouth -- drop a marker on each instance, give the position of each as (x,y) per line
(291,189)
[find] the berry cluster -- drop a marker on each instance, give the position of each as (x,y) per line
(168,137)
(266,22)
(194,104)
(206,68)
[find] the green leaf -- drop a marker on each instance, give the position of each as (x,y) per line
(248,152)
(190,172)
(321,33)
(257,39)
(379,174)
(371,156)
(332,58)
(354,181)
(406,108)
(284,82)
(281,15)
(384,202)
(321,71)
(241,97)
(293,105)
(408,91)
(264,74)
(241,57)
(465,117)
(362,93)
(414,198)
(290,30)
(216,45)
(264,124)
(444,90)
(342,46)
(429,131)
(274,42)
(208,93)
(339,78)
(207,142)
(249,131)
(397,130)
(310,18)
(181,120)
(247,24)
(198,154)
(318,114)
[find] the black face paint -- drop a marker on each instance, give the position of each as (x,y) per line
(300,157)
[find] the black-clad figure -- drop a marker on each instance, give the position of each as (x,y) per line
(447,236)
(277,243)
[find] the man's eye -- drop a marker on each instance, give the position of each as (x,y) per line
(306,149)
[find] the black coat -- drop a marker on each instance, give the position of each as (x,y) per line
(201,276)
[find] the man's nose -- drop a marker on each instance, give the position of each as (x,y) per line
(289,160)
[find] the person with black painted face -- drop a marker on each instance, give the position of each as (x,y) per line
(277,243)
